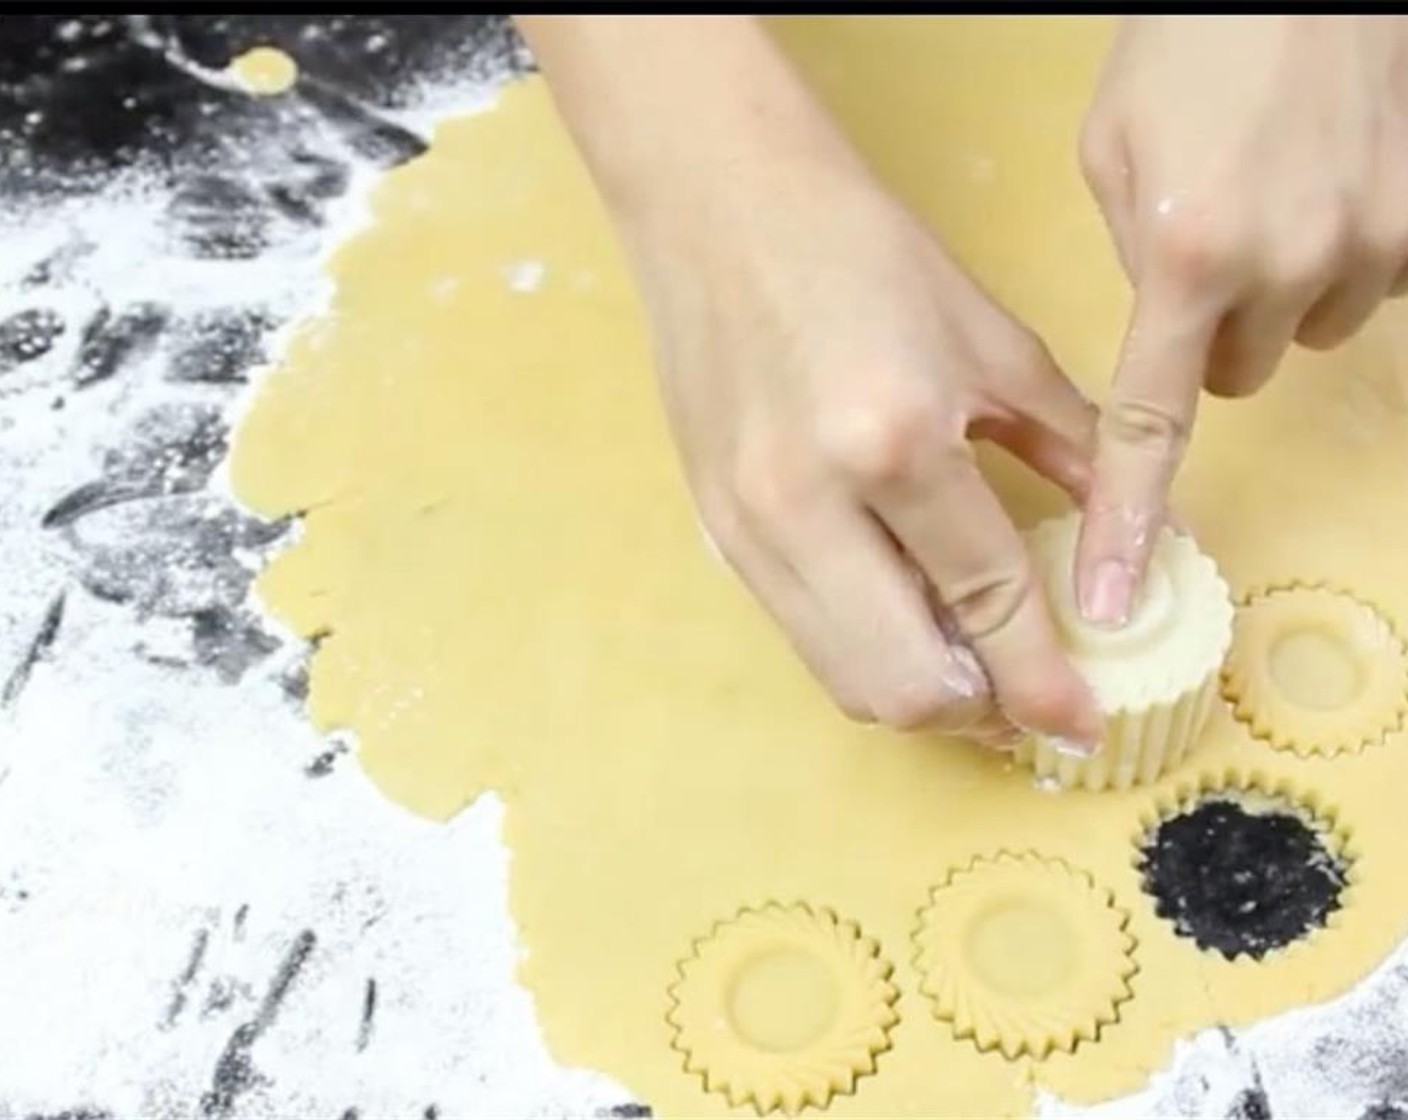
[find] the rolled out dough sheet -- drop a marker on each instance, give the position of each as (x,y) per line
(512,593)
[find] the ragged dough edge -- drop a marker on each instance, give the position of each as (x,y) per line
(1250,783)
(1004,1023)
(1257,702)
(811,1076)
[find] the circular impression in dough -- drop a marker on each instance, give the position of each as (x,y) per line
(1315,671)
(1155,678)
(1024,955)
(782,1007)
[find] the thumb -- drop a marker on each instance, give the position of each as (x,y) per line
(1142,434)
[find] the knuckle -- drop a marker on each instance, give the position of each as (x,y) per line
(880,444)
(911,707)
(1022,356)
(1140,424)
(1038,706)
(1312,258)
(1097,154)
(768,479)
(1389,239)
(988,602)
(1194,248)
(721,517)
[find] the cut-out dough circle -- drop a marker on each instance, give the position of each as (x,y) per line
(1316,671)
(1024,955)
(783,1007)
(1260,791)
(1279,877)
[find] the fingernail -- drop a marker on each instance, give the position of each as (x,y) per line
(968,678)
(1105,598)
(1071,748)
(1001,738)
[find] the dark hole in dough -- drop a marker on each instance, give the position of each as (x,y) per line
(1241,880)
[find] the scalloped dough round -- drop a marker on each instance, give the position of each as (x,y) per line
(1316,671)
(1024,955)
(783,1007)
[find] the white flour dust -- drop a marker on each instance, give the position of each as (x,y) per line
(205,910)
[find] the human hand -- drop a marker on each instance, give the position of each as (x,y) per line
(1253,172)
(823,364)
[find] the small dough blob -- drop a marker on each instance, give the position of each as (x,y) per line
(264,71)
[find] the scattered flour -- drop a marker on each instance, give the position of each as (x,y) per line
(205,909)
(525,276)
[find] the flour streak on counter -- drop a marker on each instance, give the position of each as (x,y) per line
(205,909)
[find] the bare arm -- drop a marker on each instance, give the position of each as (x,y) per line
(658,105)
(823,362)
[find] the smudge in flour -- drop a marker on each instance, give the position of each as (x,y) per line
(220,347)
(112,341)
(27,335)
(218,217)
(323,764)
(38,647)
(235,1073)
(181,985)
(1251,1104)
(364,1025)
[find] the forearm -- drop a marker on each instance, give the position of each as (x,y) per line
(667,108)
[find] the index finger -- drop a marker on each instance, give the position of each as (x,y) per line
(1142,435)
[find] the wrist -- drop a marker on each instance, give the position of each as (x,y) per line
(683,118)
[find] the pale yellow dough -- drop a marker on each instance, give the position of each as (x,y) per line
(974,943)
(513,592)
(783,1007)
(264,71)
(1316,671)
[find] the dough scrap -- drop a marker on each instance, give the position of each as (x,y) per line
(1279,880)
(1156,678)
(783,1007)
(1316,671)
(1255,790)
(264,71)
(1024,955)
(505,572)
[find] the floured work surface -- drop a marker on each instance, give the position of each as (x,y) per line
(727,892)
